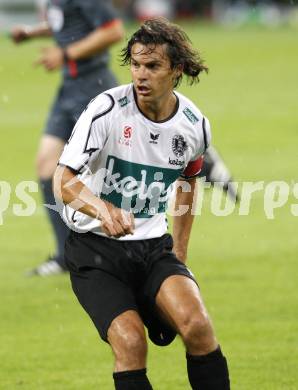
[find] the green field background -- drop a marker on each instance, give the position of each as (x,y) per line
(246,265)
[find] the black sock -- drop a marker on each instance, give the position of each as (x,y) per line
(208,372)
(132,380)
(60,230)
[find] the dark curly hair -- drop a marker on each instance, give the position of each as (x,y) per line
(160,31)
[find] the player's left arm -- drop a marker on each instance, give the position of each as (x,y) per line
(184,216)
(186,193)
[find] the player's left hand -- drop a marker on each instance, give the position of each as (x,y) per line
(51,58)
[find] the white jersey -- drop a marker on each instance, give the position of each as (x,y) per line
(132,161)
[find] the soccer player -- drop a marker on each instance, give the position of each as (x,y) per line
(115,175)
(83,31)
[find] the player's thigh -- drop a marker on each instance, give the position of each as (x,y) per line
(103,296)
(179,302)
(49,152)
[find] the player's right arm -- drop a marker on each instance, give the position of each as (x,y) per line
(79,157)
(23,33)
(115,222)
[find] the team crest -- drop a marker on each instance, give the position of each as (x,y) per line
(179,145)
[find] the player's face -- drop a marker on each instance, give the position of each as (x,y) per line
(152,74)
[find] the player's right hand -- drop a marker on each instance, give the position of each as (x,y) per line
(116,222)
(20,34)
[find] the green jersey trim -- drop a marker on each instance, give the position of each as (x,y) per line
(123,101)
(190,115)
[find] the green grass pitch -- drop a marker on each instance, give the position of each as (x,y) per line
(246,265)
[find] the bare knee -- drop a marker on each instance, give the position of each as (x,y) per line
(131,347)
(181,304)
(197,334)
(127,338)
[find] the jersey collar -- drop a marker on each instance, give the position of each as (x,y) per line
(164,120)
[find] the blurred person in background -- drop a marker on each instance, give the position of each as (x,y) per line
(83,31)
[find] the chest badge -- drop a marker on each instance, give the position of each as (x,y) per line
(127,132)
(125,139)
(179,145)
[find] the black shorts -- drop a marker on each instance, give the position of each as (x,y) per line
(110,277)
(72,98)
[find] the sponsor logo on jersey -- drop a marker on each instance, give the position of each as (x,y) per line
(123,101)
(154,138)
(141,189)
(126,138)
(124,141)
(177,162)
(127,132)
(179,145)
(190,115)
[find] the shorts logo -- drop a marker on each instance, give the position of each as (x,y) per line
(153,138)
(179,145)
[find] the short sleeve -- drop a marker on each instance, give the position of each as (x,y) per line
(204,139)
(195,164)
(88,136)
(98,13)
